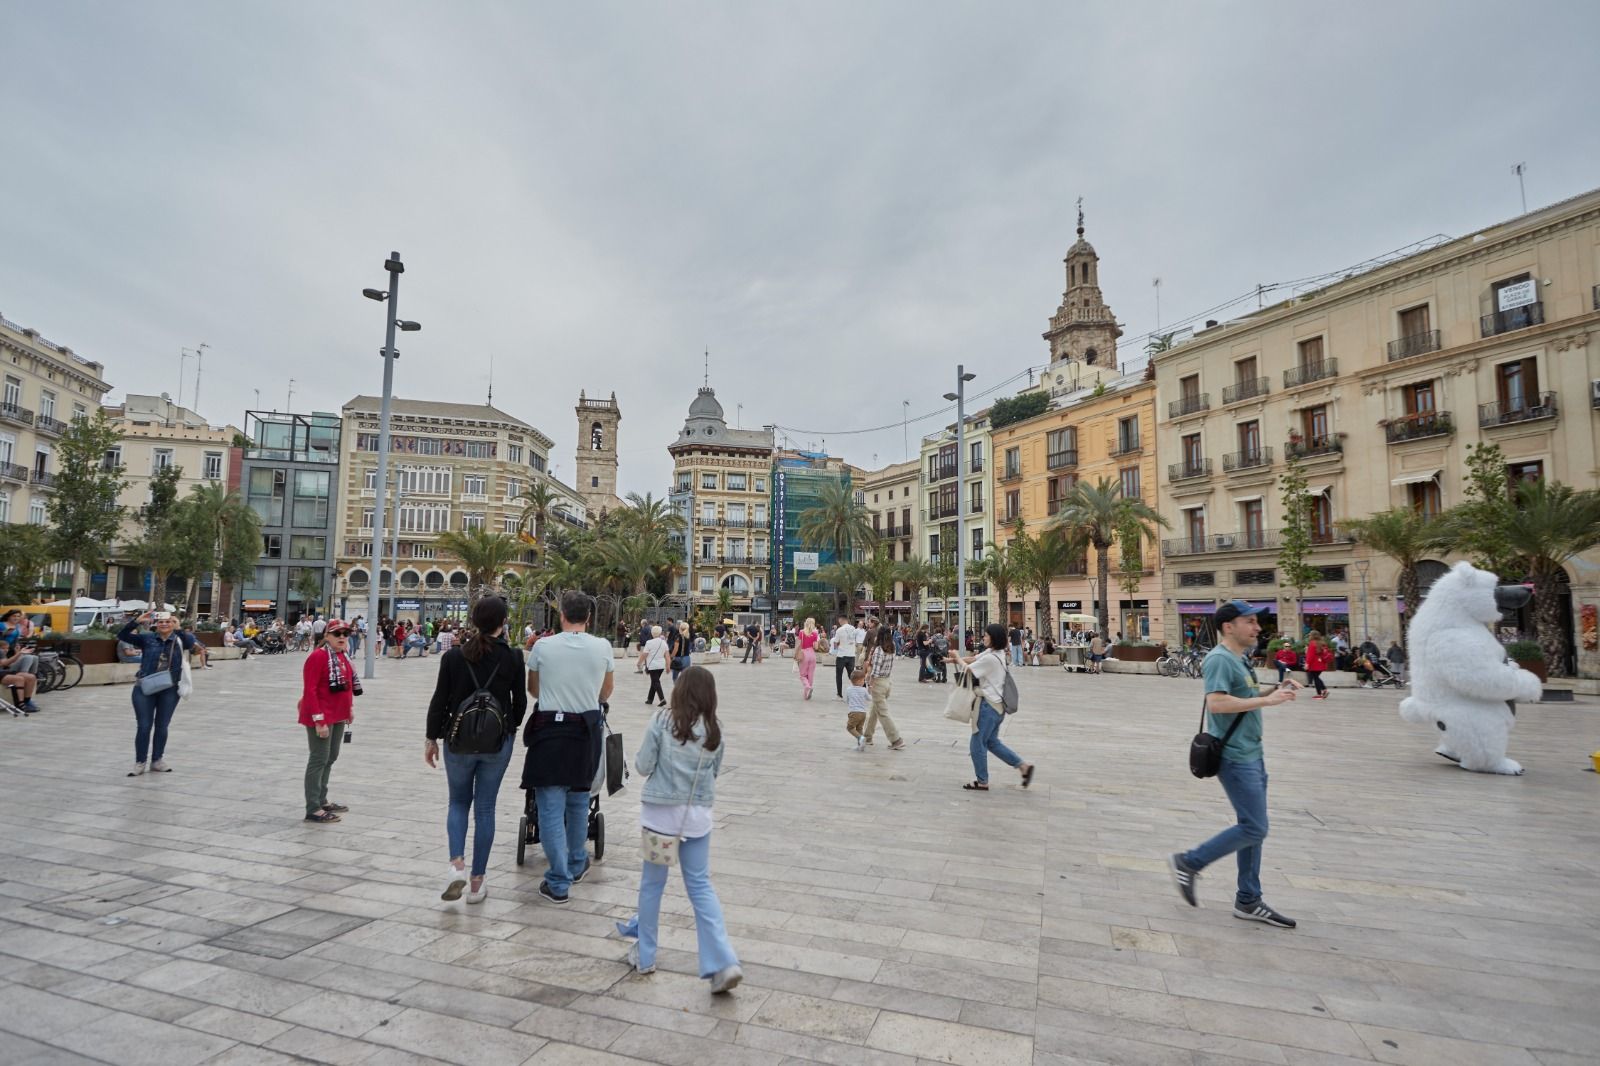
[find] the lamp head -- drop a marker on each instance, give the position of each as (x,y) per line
(968,377)
(951,396)
(375,294)
(407,326)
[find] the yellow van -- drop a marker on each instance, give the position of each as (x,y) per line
(42,614)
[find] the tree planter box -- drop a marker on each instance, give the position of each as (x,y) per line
(1132,654)
(211,638)
(1537,667)
(91,650)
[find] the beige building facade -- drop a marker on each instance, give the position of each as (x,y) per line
(1378,385)
(950,527)
(599,423)
(890,496)
(452,466)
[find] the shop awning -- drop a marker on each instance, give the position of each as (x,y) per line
(1318,490)
(1415,477)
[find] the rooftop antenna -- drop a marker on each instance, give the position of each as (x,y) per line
(708,368)
(1155,283)
(1080,216)
(1519,170)
(491,379)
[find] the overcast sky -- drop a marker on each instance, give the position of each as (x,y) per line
(840,201)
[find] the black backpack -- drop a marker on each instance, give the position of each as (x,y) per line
(480,724)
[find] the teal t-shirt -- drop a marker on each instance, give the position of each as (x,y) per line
(572,667)
(1225,671)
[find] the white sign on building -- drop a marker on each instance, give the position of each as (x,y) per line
(806,561)
(1521,294)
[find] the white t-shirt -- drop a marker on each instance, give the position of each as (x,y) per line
(688,822)
(990,670)
(856,697)
(845,639)
(319,627)
(655,654)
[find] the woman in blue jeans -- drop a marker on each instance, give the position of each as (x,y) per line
(484,661)
(989,671)
(161,651)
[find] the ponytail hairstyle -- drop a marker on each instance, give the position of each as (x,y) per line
(886,639)
(694,696)
(488,619)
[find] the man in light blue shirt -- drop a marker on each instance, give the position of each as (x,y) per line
(1233,703)
(570,675)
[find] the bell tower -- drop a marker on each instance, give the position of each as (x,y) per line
(596,477)
(1083,327)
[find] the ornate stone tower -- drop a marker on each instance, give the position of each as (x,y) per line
(1083,327)
(596,477)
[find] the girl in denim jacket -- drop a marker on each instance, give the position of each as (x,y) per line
(681,755)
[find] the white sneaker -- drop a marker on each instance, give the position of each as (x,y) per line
(138,768)
(160,766)
(481,894)
(633,960)
(861,743)
(454,885)
(726,980)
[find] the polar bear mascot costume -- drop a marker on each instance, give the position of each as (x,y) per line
(1461,681)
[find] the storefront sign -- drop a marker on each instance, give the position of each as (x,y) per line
(1134,605)
(1069,605)
(806,561)
(408,605)
(1335,607)
(1197,607)
(260,605)
(781,499)
(1521,294)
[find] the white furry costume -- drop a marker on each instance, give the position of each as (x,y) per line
(1460,678)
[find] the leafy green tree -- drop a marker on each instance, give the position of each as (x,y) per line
(1002,566)
(85,516)
(879,572)
(916,574)
(216,532)
(1016,408)
(158,546)
(1294,547)
(308,587)
(1051,554)
(1098,514)
(844,578)
(1552,524)
(1130,555)
(813,605)
(1480,526)
(942,585)
(29,553)
(484,556)
(1407,536)
(837,521)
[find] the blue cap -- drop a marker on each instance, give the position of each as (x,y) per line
(1234,609)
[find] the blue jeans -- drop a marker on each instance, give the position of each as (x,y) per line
(152,712)
(1246,786)
(474,785)
(694,858)
(564,832)
(987,739)
(1016,655)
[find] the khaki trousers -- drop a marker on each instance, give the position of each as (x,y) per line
(879,687)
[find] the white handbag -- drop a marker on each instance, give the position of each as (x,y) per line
(186,679)
(963,701)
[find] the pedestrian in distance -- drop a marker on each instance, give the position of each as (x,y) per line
(478,704)
(856,699)
(1097,653)
(681,756)
(805,655)
(880,664)
(1287,659)
(1319,657)
(570,675)
(846,638)
(155,689)
(681,650)
(653,660)
(327,708)
(1233,704)
(988,669)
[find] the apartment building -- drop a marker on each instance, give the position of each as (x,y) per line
(1377,385)
(1100,434)
(722,488)
(290,477)
(453,466)
(945,531)
(890,496)
(798,478)
(157,434)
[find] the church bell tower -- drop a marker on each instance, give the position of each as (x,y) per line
(1083,327)
(596,478)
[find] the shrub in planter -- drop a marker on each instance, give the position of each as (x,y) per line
(1530,656)
(1137,651)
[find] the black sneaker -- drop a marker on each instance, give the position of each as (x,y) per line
(1184,878)
(1260,912)
(548,893)
(585,872)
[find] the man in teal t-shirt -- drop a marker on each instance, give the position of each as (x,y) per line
(1234,701)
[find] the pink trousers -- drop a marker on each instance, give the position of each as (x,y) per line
(808,666)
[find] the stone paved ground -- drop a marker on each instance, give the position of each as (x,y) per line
(883,915)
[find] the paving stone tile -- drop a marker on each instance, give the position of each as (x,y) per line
(339,1012)
(130,1040)
(951,1042)
(464,1043)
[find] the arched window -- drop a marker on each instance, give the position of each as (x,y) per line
(410,579)
(458,580)
(597,437)
(434,580)
(736,584)
(1090,355)
(359,578)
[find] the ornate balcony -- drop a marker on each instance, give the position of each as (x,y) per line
(1011,473)
(42,479)
(14,472)
(1527,409)
(1062,460)
(1513,319)
(1312,447)
(1419,425)
(1117,448)
(1416,344)
(1208,543)
(1189,405)
(15,414)
(1247,459)
(1196,468)
(53,426)
(1306,373)
(1245,389)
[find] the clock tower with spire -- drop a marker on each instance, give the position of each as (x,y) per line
(1083,327)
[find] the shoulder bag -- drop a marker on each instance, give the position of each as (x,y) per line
(1205,750)
(962,703)
(660,848)
(160,679)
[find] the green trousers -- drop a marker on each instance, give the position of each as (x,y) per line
(319,764)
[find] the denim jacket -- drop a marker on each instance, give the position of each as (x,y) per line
(670,766)
(151,647)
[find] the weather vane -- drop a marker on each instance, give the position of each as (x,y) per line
(1080,216)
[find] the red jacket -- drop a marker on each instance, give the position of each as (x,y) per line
(1318,657)
(318,706)
(1287,656)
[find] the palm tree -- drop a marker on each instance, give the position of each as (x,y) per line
(227,540)
(843,578)
(1052,553)
(1095,513)
(536,500)
(1552,524)
(879,572)
(1407,536)
(635,557)
(837,521)
(1002,567)
(647,515)
(483,555)
(916,574)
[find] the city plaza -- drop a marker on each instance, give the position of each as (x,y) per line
(882,914)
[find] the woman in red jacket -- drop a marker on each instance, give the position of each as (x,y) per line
(326,708)
(1319,657)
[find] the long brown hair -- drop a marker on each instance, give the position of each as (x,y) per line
(694,696)
(488,617)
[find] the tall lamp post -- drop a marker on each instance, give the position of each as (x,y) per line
(1362,566)
(960,397)
(389,355)
(394,558)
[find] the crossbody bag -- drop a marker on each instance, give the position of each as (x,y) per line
(160,680)
(1205,750)
(662,848)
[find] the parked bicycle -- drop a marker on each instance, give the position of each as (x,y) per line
(1185,663)
(59,668)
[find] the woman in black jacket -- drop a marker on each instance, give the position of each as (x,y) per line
(485,662)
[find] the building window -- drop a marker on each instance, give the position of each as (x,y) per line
(1533,470)
(975,457)
(761,484)
(708,481)
(474,485)
(160,459)
(708,584)
(737,482)
(1128,432)
(1013,504)
(1311,353)
(736,514)
(1314,422)
(1415,321)
(975,496)
(977,543)
(1057,489)
(5,507)
(761,584)
(36,512)
(1061,448)
(472,520)
(41,460)
(424,517)
(1419,398)
(760,518)
(1320,512)
(427,480)
(708,549)
(1517,385)
(1425,499)
(685,481)
(310,498)
(271,546)
(213,466)
(1191,453)
(79,411)
(1252,522)
(480,449)
(1189,390)
(1130,482)
(267,490)
(1195,525)
(369,483)
(1013,462)
(307,547)
(536,461)
(13,393)
(47,404)
(510,524)
(513,488)
(366,518)
(708,514)
(111,461)
(514,453)
(1244,371)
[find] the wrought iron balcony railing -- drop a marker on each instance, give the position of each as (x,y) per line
(1416,344)
(1525,409)
(1245,389)
(1306,373)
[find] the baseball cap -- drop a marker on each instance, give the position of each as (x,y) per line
(1234,610)
(337,626)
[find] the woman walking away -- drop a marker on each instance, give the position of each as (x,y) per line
(681,755)
(989,669)
(680,650)
(805,655)
(880,663)
(478,705)
(327,708)
(155,690)
(653,660)
(1319,657)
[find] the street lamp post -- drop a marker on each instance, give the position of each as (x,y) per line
(391,322)
(960,397)
(1362,566)
(394,557)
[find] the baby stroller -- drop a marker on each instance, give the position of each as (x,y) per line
(1379,673)
(611,776)
(271,642)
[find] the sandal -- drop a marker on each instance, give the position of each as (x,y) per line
(322,816)
(976,786)
(1027,776)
